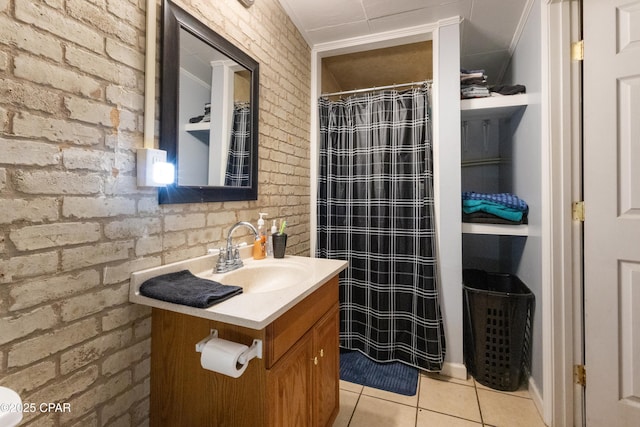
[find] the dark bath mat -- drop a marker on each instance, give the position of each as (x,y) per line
(395,377)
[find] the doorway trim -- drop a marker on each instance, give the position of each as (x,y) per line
(563,401)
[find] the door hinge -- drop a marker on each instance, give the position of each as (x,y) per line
(577,51)
(578,211)
(580,375)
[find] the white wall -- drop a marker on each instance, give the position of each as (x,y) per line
(446,52)
(527,178)
(193,153)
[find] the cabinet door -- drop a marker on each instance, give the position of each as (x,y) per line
(326,368)
(290,386)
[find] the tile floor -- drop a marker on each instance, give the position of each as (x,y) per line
(439,401)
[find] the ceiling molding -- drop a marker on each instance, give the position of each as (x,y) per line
(521,24)
(296,20)
(454,20)
(516,37)
(380,40)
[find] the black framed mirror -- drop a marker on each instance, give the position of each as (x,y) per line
(209,113)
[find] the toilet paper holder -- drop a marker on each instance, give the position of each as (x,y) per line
(255,350)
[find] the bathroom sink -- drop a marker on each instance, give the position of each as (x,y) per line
(267,275)
(271,286)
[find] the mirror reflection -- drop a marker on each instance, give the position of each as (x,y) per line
(214,117)
(209,113)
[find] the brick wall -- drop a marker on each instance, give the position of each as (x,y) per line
(73,224)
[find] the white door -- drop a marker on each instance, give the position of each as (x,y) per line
(612,203)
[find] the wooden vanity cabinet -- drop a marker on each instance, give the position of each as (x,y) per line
(296,383)
(327,369)
(310,368)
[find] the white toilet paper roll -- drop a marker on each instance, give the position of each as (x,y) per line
(221,356)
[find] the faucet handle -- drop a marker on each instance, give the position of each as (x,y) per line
(222,261)
(236,256)
(231,262)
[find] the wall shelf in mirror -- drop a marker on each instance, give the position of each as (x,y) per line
(197,127)
(199,130)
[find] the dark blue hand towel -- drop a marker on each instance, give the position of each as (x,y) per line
(182,287)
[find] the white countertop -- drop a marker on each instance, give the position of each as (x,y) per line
(251,310)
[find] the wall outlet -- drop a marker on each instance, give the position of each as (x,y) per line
(153,169)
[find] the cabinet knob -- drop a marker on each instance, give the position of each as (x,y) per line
(321,352)
(315,360)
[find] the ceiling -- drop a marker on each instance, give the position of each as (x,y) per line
(490,29)
(196,57)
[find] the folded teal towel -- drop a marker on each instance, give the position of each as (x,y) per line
(507,200)
(182,287)
(497,209)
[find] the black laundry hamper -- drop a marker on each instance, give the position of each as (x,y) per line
(498,316)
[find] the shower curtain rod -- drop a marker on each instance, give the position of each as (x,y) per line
(371,89)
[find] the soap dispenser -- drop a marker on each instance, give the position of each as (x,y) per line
(259,246)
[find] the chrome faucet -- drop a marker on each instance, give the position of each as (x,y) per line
(229,258)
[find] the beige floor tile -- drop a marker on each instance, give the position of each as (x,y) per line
(449,398)
(356,388)
(503,410)
(435,419)
(394,397)
(521,392)
(348,401)
(373,412)
(468,381)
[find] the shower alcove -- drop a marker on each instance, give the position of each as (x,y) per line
(429,52)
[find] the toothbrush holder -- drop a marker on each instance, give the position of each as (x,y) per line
(279,244)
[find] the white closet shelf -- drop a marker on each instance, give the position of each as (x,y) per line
(492,107)
(495,229)
(197,127)
(199,130)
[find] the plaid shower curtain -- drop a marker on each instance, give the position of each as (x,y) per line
(238,159)
(375,210)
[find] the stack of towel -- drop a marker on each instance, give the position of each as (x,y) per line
(494,208)
(473,84)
